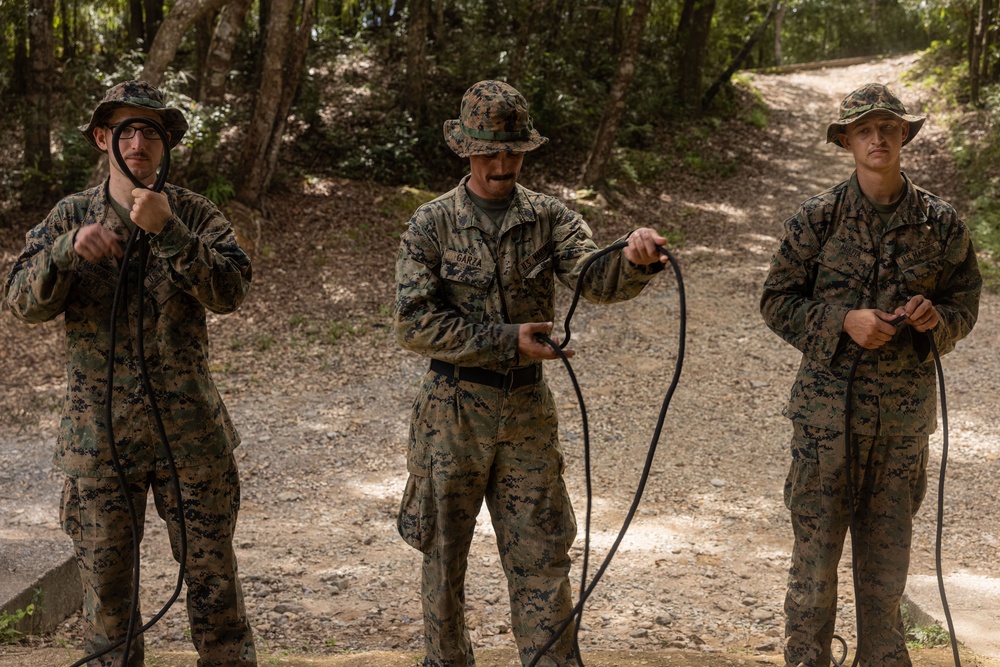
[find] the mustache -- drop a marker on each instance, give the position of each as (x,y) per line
(501,177)
(139,154)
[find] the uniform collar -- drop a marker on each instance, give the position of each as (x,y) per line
(519,212)
(909,212)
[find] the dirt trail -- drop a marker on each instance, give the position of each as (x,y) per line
(699,579)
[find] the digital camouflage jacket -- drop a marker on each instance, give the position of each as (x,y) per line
(828,264)
(194,264)
(459,302)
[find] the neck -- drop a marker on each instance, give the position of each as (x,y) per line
(881,187)
(120,187)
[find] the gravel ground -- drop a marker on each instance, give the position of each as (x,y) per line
(704,563)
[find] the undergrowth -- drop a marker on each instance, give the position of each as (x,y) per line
(975,144)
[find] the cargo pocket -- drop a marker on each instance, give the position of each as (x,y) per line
(416,520)
(804,484)
(918,481)
(69,510)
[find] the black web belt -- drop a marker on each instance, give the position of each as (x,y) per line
(513,379)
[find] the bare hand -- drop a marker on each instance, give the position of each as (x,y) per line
(869,328)
(151,210)
(641,248)
(920,313)
(529,347)
(94,243)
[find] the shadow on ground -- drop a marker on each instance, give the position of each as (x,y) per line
(929,657)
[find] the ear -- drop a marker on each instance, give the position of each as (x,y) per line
(100,138)
(906,131)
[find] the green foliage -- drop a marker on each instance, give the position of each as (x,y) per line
(9,634)
(923,636)
(75,161)
(942,68)
(975,145)
(220,190)
(348,117)
(641,167)
(827,29)
(401,204)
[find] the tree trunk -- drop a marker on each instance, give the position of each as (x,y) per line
(696,22)
(19,75)
(519,57)
(738,60)
(439,20)
(204,29)
(413,96)
(212,86)
(153,10)
(975,40)
(67,25)
(294,65)
(281,68)
(38,100)
(779,19)
(986,37)
(176,24)
(595,168)
(136,26)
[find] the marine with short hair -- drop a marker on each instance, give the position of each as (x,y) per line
(852,259)
(475,278)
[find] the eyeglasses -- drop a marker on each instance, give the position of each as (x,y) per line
(149,132)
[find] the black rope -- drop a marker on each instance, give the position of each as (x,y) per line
(138,237)
(940,508)
(849,467)
(587,590)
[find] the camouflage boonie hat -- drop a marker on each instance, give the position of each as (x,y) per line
(868,99)
(494,118)
(140,95)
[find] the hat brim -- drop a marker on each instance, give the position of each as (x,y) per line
(838,127)
(466,146)
(173,121)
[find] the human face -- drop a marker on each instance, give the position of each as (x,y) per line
(875,141)
(494,175)
(142,155)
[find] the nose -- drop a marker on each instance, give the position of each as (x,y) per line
(508,162)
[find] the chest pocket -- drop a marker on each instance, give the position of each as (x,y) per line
(95,281)
(843,271)
(538,263)
(467,279)
(157,284)
(921,268)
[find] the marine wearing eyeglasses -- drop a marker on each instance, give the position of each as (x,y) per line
(69,266)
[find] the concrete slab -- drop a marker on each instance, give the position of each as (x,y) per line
(974,602)
(43,572)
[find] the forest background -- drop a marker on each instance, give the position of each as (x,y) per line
(282,92)
(316,125)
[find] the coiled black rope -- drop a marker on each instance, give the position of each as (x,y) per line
(585,589)
(849,466)
(140,238)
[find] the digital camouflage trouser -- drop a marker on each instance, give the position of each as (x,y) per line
(95,515)
(889,485)
(469,442)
